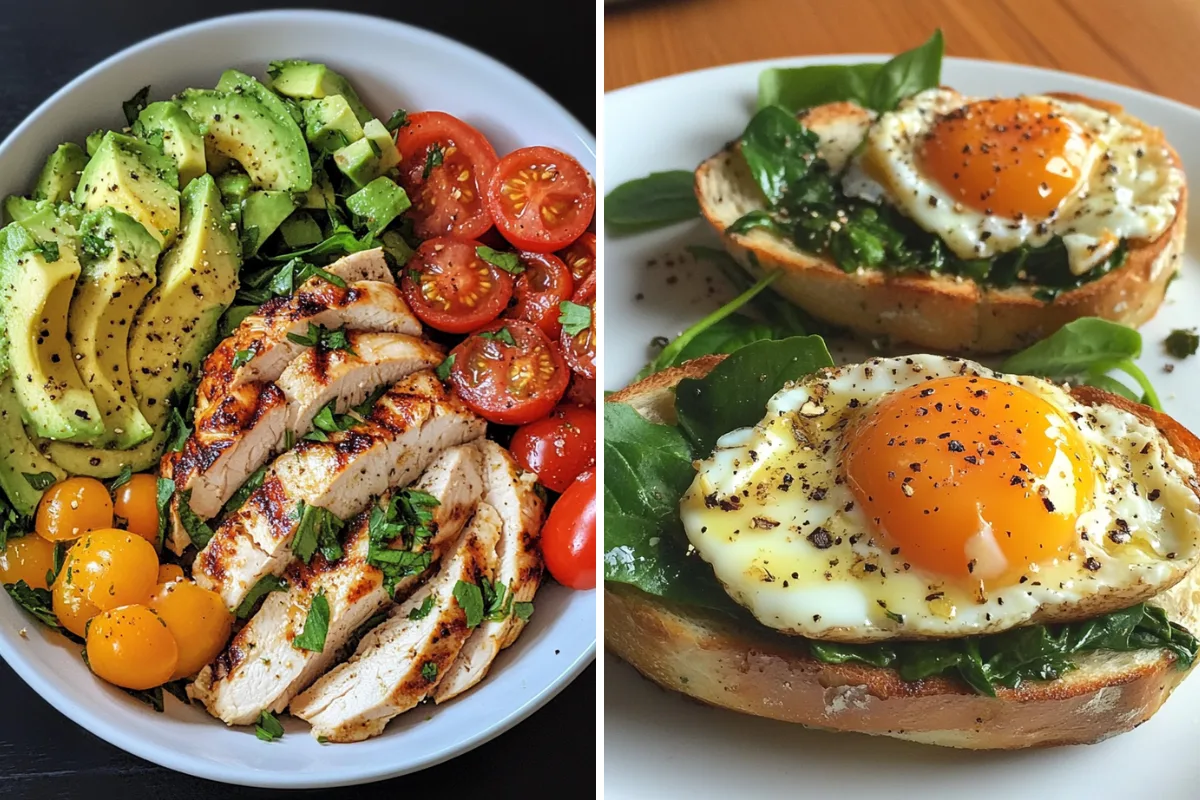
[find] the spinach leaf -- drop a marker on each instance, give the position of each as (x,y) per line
(878,86)
(1086,349)
(725,336)
(735,393)
(908,73)
(657,200)
(778,150)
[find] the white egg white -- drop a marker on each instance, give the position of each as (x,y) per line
(1130,192)
(757,502)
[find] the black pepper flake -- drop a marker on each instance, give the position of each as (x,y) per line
(971,565)
(944,435)
(1091,564)
(955,446)
(1016,480)
(915,466)
(820,539)
(870,567)
(818,493)
(975,412)
(926,392)
(764,523)
(1049,505)
(971,459)
(929,598)
(1154,495)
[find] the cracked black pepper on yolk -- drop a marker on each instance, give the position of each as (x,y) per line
(971,478)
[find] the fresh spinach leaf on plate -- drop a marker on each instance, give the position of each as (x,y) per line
(657,200)
(878,86)
(1086,350)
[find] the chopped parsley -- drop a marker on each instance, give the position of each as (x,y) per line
(197,529)
(443,369)
(39,481)
(266,584)
(49,251)
(151,697)
(123,477)
(59,557)
(504,336)
(397,536)
(509,262)
(38,602)
(134,105)
(1182,343)
(318,529)
(241,358)
(162,497)
(470,600)
(422,611)
(429,671)
(432,159)
(95,246)
(246,489)
(319,335)
(363,409)
(523,611)
(398,120)
(316,625)
(326,422)
(268,728)
(574,318)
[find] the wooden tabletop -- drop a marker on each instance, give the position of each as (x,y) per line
(1148,44)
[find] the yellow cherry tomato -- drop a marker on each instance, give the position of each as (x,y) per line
(114,568)
(131,647)
(137,504)
(169,572)
(71,508)
(27,559)
(197,618)
(70,606)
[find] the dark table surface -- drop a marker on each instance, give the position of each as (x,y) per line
(43,754)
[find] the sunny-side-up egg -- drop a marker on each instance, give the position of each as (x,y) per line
(988,176)
(932,497)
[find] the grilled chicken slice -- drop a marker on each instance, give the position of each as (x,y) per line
(409,425)
(263,338)
(400,662)
(261,669)
(365,265)
(511,492)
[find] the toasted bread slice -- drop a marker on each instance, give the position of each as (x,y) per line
(938,312)
(751,669)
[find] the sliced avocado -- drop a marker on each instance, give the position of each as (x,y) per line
(378,203)
(300,230)
(60,176)
(38,271)
(136,179)
(119,258)
(270,149)
(19,456)
(181,139)
(234,186)
(329,123)
(19,209)
(174,329)
(305,80)
(92,143)
(368,158)
(239,82)
(262,214)
(321,195)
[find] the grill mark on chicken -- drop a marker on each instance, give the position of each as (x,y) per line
(273,502)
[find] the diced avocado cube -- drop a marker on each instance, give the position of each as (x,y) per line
(166,123)
(234,186)
(92,143)
(300,230)
(378,203)
(262,214)
(389,155)
(329,123)
(368,158)
(19,209)
(305,80)
(60,176)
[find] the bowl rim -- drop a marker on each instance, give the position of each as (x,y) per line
(109,730)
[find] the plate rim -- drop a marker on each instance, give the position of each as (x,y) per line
(198,766)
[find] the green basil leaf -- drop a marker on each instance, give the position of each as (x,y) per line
(316,625)
(470,600)
(265,585)
(268,728)
(796,88)
(657,200)
(908,73)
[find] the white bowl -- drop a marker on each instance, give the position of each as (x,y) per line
(392,66)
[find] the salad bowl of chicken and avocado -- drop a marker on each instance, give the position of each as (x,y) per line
(254,358)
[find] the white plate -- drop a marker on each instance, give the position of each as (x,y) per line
(658,744)
(392,66)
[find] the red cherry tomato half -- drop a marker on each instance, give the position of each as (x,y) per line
(509,373)
(449,287)
(541,199)
(579,346)
(569,535)
(580,257)
(538,291)
(558,448)
(444,166)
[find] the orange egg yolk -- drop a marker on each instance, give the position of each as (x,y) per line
(970,478)
(1014,158)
